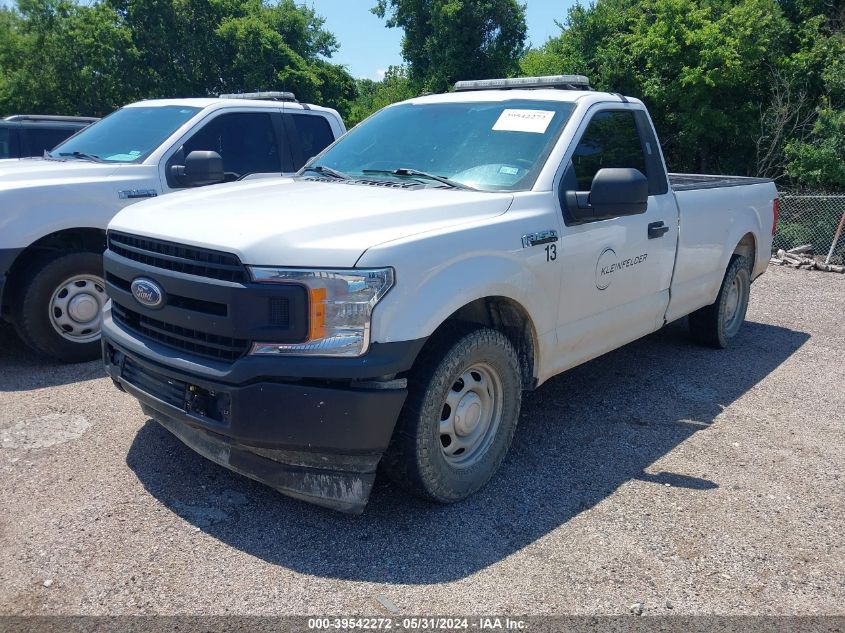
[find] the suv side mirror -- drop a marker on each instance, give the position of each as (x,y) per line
(614,192)
(200,168)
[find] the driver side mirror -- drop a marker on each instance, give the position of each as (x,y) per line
(200,168)
(614,192)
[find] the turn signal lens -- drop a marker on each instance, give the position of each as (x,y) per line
(317,322)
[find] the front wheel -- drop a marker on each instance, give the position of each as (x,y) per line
(715,325)
(58,314)
(460,417)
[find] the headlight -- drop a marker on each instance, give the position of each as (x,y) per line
(340,304)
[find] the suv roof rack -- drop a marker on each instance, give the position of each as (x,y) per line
(262,96)
(51,117)
(560,82)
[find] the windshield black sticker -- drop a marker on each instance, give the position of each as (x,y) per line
(609,263)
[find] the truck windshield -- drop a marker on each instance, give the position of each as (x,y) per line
(491,146)
(126,136)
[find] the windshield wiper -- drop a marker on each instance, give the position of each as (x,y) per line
(92,157)
(407,171)
(328,171)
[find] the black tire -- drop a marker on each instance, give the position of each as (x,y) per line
(715,325)
(416,458)
(31,310)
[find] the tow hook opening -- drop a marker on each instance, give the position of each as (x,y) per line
(208,403)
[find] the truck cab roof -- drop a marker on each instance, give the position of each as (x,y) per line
(215,103)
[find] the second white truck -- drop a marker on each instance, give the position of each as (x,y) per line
(54,209)
(390,305)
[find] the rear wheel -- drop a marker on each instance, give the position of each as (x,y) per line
(460,417)
(59,313)
(715,325)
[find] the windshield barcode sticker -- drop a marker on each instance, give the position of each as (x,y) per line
(536,121)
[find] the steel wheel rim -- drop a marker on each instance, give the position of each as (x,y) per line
(471,415)
(76,308)
(735,301)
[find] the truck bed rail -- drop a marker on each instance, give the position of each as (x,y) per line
(687,182)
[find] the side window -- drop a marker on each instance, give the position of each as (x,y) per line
(245,140)
(610,140)
(41,138)
(315,135)
(6,143)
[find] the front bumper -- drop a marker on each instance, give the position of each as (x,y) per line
(7,258)
(316,440)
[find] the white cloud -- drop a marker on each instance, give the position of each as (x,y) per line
(380,72)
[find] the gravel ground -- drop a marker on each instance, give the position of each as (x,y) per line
(684,479)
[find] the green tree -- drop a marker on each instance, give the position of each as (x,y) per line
(819,161)
(731,84)
(449,40)
(60,56)
(374,95)
(702,66)
(206,47)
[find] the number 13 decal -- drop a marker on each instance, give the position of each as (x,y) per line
(551,252)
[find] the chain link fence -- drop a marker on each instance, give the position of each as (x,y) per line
(812,219)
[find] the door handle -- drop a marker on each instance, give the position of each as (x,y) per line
(656,229)
(540,237)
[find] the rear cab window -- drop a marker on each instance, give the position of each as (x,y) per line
(7,138)
(310,134)
(39,138)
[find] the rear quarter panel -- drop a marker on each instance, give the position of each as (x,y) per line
(712,224)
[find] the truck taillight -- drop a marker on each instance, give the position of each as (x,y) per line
(775,212)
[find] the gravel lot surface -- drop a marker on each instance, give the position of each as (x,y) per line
(683,479)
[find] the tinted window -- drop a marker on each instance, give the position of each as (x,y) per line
(314,132)
(5,143)
(129,134)
(610,140)
(245,141)
(492,146)
(41,138)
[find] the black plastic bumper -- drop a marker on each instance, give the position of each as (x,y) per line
(317,440)
(7,258)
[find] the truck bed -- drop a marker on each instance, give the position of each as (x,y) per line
(687,182)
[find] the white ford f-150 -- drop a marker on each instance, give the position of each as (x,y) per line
(54,210)
(390,304)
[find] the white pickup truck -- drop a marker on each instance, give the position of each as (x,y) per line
(54,210)
(392,302)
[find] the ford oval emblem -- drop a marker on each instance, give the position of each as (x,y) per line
(147,292)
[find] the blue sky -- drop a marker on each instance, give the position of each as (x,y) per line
(367,47)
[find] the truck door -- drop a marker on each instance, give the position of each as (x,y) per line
(615,271)
(249,143)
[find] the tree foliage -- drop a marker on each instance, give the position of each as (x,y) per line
(449,40)
(60,56)
(732,84)
(374,95)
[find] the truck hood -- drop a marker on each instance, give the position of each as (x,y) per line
(282,222)
(30,172)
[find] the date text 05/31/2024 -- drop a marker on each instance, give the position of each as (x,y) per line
(412,624)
